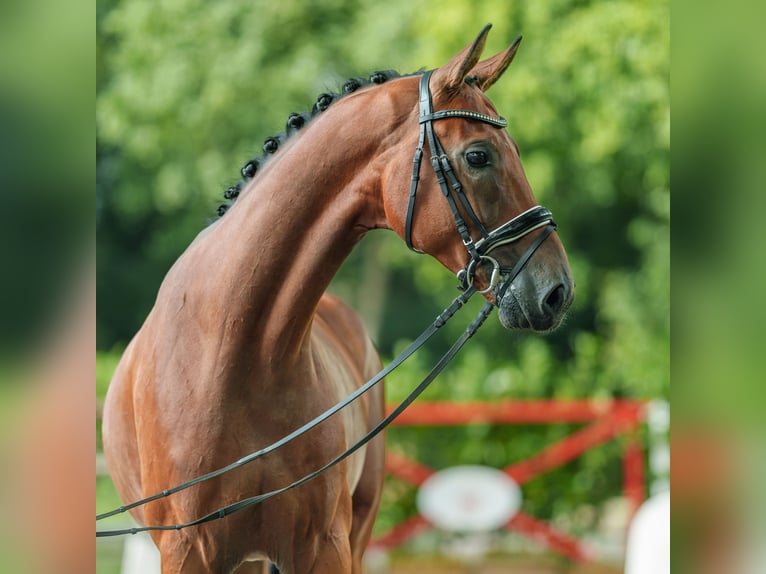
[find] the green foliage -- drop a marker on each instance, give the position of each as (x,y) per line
(188,90)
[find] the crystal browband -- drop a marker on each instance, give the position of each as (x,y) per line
(492,120)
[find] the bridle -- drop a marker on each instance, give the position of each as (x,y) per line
(513,230)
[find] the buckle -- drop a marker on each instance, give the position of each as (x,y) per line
(466,276)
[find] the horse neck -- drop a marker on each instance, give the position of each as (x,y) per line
(264,266)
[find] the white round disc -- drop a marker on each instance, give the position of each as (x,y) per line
(469,499)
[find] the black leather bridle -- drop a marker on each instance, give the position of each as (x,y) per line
(513,230)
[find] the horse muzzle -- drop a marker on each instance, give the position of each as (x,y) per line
(529,304)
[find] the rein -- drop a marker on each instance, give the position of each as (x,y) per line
(440,320)
(516,228)
(415,345)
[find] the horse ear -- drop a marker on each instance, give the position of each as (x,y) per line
(488,71)
(449,78)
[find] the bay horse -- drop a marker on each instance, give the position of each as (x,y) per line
(243,344)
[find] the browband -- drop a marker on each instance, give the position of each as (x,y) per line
(497,121)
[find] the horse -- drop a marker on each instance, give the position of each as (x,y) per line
(243,343)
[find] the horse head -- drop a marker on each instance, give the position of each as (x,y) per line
(475,211)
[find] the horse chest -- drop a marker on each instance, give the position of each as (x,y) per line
(338,376)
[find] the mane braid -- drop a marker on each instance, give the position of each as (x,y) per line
(296,121)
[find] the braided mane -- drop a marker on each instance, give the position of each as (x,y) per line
(295,121)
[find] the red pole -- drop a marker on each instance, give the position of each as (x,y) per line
(634,481)
(407,470)
(616,422)
(549,536)
(402,532)
(546,411)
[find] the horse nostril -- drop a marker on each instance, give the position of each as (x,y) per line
(555,299)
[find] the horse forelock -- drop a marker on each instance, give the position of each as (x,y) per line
(295,122)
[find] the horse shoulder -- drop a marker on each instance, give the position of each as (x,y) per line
(350,333)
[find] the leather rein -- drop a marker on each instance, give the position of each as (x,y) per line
(501,278)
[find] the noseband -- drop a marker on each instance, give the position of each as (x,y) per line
(513,230)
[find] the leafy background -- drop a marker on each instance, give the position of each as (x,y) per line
(187,90)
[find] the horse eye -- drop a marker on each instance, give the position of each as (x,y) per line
(476,158)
